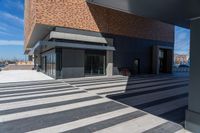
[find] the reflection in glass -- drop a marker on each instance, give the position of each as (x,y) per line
(49,64)
(94,64)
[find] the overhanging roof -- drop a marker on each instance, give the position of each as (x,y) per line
(42,31)
(52,44)
(79,37)
(177,12)
(39,33)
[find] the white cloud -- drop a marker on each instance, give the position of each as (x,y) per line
(2,28)
(11,42)
(11,17)
(4,33)
(10,28)
(20,5)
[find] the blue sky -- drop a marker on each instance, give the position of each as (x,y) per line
(11,29)
(182,40)
(12,32)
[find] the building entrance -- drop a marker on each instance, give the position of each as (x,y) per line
(94,64)
(49,64)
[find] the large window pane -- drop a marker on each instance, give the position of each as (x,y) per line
(94,64)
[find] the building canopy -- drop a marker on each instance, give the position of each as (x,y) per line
(176,12)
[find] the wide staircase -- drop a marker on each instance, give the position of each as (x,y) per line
(73,106)
(165,96)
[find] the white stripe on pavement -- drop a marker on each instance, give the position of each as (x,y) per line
(145,98)
(137,125)
(167,107)
(138,83)
(84,122)
(124,88)
(36,91)
(24,88)
(36,95)
(38,112)
(41,101)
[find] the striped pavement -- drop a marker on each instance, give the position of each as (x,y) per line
(76,105)
(164,95)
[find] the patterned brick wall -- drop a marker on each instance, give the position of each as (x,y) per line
(29,19)
(80,15)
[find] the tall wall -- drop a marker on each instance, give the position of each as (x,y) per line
(29,19)
(79,14)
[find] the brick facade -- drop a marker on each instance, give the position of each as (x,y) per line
(79,14)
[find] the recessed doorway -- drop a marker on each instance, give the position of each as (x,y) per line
(95,64)
(165,62)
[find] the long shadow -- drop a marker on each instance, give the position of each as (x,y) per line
(176,104)
(121,80)
(103,18)
(140,87)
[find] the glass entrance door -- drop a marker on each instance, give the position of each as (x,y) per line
(49,64)
(94,64)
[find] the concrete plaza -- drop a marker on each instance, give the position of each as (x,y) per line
(21,76)
(99,104)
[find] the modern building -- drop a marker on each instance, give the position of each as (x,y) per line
(73,38)
(184,13)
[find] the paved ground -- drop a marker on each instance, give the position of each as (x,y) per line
(56,106)
(165,95)
(21,75)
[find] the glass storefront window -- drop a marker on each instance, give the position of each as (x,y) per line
(49,64)
(94,64)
